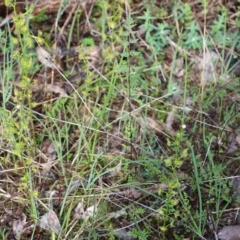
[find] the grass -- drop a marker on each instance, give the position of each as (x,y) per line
(139,148)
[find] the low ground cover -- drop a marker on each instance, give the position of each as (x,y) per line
(119,120)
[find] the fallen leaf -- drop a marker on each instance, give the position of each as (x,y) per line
(132,193)
(89,212)
(114,172)
(230,233)
(49,154)
(156,187)
(79,211)
(123,234)
(117,214)
(45,57)
(50,221)
(236,187)
(233,143)
(75,185)
(60,52)
(236,70)
(91,52)
(55,89)
(48,150)
(208,66)
(179,68)
(18,225)
(169,121)
(150,123)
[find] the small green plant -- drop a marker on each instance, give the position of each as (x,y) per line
(156,36)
